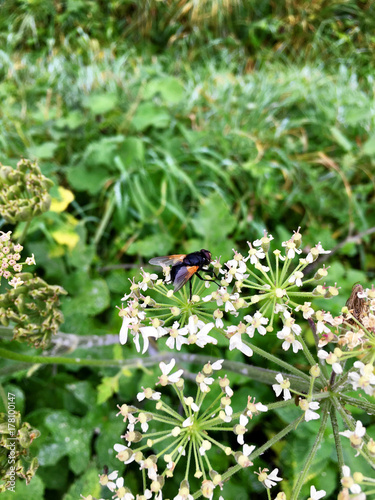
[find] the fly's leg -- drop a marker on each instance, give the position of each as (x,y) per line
(211,280)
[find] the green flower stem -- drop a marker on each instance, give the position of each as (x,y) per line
(278,361)
(207,413)
(165,420)
(105,219)
(301,294)
(198,457)
(312,361)
(335,428)
(359,403)
(284,271)
(188,461)
(206,315)
(181,444)
(258,452)
(350,423)
(170,411)
(216,443)
(306,351)
(171,445)
(137,362)
(24,232)
(305,469)
(323,366)
(180,396)
(300,381)
(158,433)
(261,283)
(270,266)
(266,277)
(277,267)
(280,404)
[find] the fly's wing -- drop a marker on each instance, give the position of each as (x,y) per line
(183,275)
(168,260)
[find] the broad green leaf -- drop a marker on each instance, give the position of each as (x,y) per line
(102,152)
(92,298)
(149,114)
(100,104)
(72,121)
(369,146)
(131,151)
(69,438)
(44,151)
(87,484)
(82,178)
(151,246)
(355,115)
(103,450)
(34,490)
(56,477)
(170,88)
(214,220)
(83,391)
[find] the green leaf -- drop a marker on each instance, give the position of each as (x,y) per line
(56,477)
(340,138)
(214,220)
(369,146)
(93,298)
(132,151)
(72,121)
(103,152)
(169,87)
(108,428)
(69,438)
(43,151)
(84,392)
(151,246)
(353,116)
(149,114)
(85,485)
(34,490)
(107,388)
(100,104)
(82,178)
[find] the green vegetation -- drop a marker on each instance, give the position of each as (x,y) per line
(167,128)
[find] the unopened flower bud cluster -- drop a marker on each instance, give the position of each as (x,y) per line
(23,191)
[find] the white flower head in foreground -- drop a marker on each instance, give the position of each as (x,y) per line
(282,387)
(274,285)
(197,432)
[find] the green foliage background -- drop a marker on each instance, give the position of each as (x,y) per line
(178,128)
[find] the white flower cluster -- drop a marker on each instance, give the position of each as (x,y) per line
(10,256)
